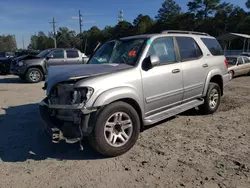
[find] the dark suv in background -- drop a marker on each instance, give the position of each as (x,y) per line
(34,68)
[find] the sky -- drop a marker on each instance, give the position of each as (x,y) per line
(24,18)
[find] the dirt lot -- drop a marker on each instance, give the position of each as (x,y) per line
(186,151)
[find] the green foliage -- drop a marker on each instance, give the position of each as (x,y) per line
(211,16)
(7,43)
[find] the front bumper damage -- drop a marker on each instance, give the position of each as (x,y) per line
(67,122)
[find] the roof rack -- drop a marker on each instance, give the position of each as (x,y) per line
(185,32)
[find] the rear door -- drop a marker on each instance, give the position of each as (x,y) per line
(194,67)
(73,56)
(57,58)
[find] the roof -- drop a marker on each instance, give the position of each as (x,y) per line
(233,36)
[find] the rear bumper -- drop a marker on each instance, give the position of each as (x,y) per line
(226,79)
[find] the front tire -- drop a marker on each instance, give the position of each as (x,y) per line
(212,99)
(116,129)
(34,75)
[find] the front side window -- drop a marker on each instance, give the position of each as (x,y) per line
(118,52)
(164,49)
(188,48)
(59,54)
(72,54)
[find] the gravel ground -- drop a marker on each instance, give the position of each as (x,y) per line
(188,150)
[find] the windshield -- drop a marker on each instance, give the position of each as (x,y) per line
(44,53)
(232,60)
(118,52)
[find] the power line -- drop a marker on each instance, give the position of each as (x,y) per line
(54,31)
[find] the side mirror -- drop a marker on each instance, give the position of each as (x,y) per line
(154,60)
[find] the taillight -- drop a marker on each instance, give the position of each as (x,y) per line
(226,63)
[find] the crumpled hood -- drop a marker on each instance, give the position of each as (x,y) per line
(62,73)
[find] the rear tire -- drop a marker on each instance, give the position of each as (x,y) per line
(34,75)
(116,129)
(212,99)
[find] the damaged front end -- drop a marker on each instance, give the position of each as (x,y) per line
(65,113)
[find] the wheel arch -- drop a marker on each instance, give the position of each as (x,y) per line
(214,76)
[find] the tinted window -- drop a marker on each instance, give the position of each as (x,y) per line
(164,49)
(240,61)
(58,54)
(72,54)
(189,49)
(213,46)
(246,60)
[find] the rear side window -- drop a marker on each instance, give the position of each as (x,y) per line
(240,61)
(188,48)
(213,46)
(72,54)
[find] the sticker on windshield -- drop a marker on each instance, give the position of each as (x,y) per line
(132,53)
(149,42)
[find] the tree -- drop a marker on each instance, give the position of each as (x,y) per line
(123,29)
(248,4)
(168,10)
(142,24)
(7,43)
(203,8)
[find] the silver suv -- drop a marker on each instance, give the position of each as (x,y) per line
(131,83)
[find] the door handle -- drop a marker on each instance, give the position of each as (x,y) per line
(205,65)
(176,71)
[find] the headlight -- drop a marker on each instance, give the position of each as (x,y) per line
(81,95)
(20,63)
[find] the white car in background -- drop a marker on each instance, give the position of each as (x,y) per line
(238,65)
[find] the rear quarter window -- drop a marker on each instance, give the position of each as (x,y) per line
(213,46)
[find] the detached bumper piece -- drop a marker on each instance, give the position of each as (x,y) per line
(69,124)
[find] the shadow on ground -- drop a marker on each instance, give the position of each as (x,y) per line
(15,80)
(22,137)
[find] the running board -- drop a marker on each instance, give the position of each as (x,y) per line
(172,112)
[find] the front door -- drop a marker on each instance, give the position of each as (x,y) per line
(162,85)
(57,57)
(246,65)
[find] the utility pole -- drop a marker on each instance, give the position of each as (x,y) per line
(54,31)
(86,43)
(23,42)
(80,25)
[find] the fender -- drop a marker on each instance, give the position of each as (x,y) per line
(36,64)
(212,73)
(118,93)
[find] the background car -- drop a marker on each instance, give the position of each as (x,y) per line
(34,68)
(238,65)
